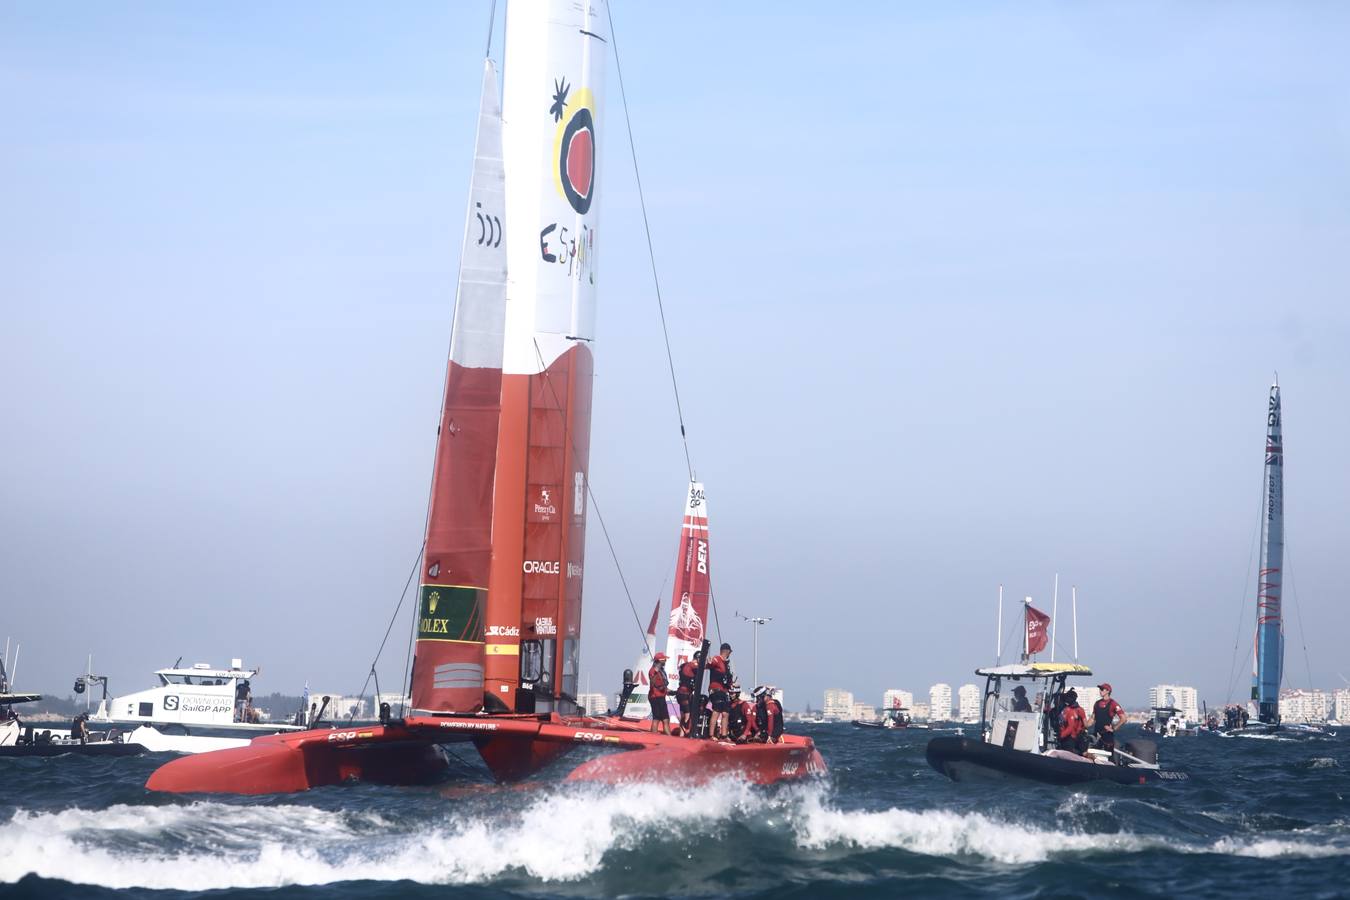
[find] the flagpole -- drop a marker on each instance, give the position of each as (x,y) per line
(998,635)
(1054,616)
(1026,634)
(1075,623)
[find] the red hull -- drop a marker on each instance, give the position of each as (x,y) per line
(514,747)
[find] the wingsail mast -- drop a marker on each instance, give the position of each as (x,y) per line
(555,53)
(1269,622)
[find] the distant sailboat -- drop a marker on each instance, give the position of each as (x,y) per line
(1263,710)
(1269,614)
(689,600)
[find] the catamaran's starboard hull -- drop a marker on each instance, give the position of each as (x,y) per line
(964,759)
(514,747)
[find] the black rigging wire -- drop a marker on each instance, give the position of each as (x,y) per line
(656,281)
(387,630)
(651,250)
(1246,582)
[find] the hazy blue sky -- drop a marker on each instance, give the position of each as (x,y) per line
(959,294)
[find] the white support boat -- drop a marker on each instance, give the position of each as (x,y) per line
(193,709)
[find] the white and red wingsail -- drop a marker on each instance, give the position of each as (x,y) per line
(693,582)
(499,620)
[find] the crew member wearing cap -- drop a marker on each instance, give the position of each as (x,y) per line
(1020,701)
(657,683)
(719,676)
(1107,717)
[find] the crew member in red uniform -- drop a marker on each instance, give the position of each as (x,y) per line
(719,677)
(1072,724)
(684,694)
(768,716)
(1107,717)
(657,683)
(741,719)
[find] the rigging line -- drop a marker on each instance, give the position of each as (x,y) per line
(492,21)
(389,629)
(590,492)
(1293,589)
(1246,581)
(651,250)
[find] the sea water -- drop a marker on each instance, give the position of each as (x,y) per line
(1259,815)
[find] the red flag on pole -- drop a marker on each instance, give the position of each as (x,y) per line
(1038,630)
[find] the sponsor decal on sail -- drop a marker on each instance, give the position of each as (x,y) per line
(540,567)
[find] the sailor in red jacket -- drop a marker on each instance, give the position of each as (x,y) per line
(1072,725)
(684,694)
(1107,717)
(657,683)
(741,720)
(719,677)
(768,716)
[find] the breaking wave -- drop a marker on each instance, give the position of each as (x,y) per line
(549,835)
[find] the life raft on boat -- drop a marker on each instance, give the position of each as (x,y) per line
(514,747)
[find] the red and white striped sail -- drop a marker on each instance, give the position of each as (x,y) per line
(555,52)
(693,583)
(448,667)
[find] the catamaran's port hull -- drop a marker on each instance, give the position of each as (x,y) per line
(964,759)
(513,746)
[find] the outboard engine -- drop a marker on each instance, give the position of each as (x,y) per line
(1146,751)
(629,682)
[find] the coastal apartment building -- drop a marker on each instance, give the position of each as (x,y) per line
(1343,705)
(896,697)
(1298,705)
(940,702)
(838,705)
(968,703)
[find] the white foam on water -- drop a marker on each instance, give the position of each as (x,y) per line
(561,836)
(1272,848)
(945,833)
(1323,762)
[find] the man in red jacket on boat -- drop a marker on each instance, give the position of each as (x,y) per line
(1072,725)
(719,677)
(742,719)
(684,694)
(657,683)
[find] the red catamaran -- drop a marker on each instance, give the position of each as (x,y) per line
(499,615)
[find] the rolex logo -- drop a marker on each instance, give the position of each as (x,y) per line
(432,599)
